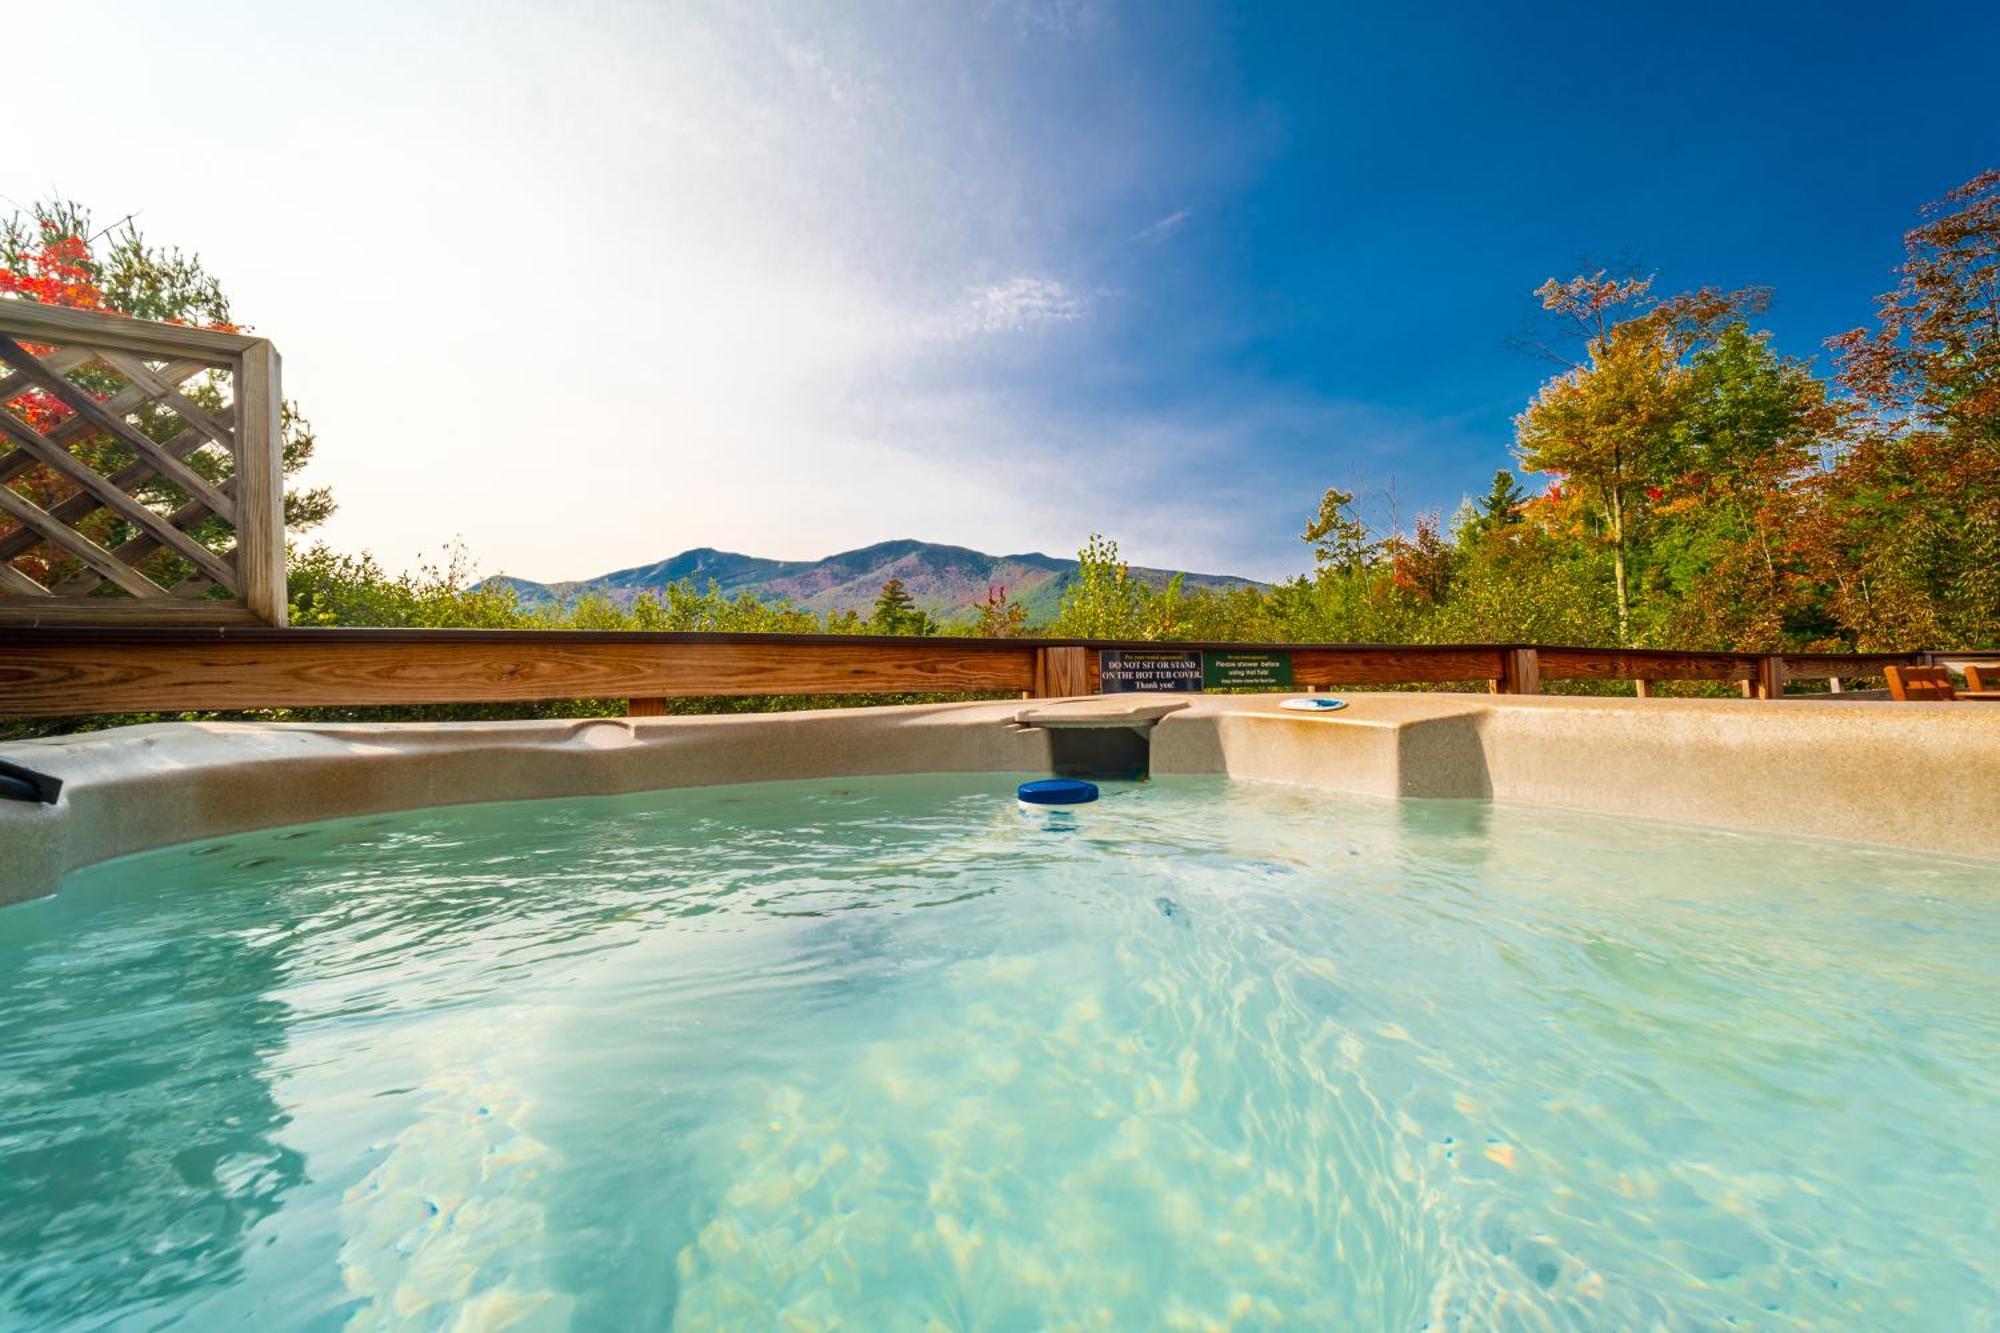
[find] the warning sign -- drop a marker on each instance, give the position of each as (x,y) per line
(1122,672)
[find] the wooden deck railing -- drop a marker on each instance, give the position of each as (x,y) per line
(130,453)
(68,671)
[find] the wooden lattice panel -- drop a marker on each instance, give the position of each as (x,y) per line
(140,478)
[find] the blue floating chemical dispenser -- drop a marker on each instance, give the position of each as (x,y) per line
(1057,791)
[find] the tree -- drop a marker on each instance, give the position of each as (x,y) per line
(331,588)
(1339,539)
(53,256)
(1497,510)
(1909,529)
(1000,618)
(1752,428)
(1934,360)
(1604,426)
(896,612)
(1607,426)
(1422,565)
(1353,593)
(1103,600)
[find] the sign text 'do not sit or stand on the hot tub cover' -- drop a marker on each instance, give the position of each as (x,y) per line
(1126,672)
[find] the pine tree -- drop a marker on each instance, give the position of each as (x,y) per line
(1500,507)
(896,612)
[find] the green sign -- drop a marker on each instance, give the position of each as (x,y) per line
(1246,671)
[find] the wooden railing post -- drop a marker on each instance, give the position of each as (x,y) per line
(260,483)
(1061,672)
(1771,677)
(1523,668)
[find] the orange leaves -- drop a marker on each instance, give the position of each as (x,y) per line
(1936,352)
(58,271)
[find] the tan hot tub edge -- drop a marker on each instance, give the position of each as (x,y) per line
(1906,775)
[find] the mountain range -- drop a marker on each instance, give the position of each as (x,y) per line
(947,581)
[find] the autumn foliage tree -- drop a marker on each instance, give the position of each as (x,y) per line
(1721,565)
(1000,618)
(1608,428)
(1703,490)
(1907,531)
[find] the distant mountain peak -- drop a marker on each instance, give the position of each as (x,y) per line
(947,581)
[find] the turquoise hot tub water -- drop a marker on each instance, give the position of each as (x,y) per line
(887,1051)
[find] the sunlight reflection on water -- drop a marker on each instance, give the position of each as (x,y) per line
(882,1051)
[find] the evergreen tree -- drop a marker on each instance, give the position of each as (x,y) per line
(896,612)
(1499,508)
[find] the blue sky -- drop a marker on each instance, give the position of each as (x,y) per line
(587,284)
(1398,180)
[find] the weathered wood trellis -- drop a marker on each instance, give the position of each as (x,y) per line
(79,388)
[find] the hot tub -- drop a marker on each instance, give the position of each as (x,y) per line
(876,1049)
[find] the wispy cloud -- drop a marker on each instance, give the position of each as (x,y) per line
(822,255)
(1165,226)
(1022,303)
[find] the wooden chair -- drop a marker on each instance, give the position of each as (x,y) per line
(1919,683)
(1982,677)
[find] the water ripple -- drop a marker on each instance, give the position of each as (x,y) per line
(883,1053)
